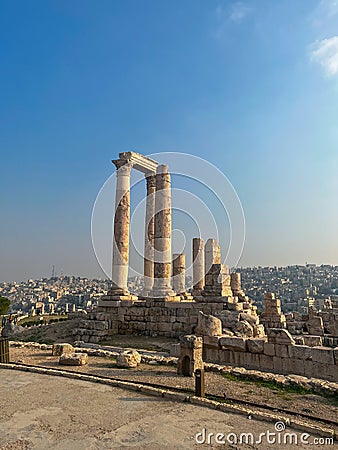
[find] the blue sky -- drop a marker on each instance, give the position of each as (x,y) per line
(250,86)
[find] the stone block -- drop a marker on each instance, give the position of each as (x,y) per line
(278,364)
(59,349)
(211,341)
(281,350)
(233,343)
(301,352)
(128,359)
(312,341)
(208,325)
(323,355)
(73,359)
(266,362)
(335,352)
(269,349)
(279,336)
(255,345)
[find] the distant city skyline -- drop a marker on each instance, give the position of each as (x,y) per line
(251,87)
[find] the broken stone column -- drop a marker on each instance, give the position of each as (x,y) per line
(162,236)
(119,288)
(272,317)
(149,235)
(179,276)
(198,266)
(212,253)
(217,282)
(217,278)
(315,324)
(235,283)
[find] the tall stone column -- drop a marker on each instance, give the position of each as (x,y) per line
(121,232)
(162,235)
(212,254)
(198,266)
(149,235)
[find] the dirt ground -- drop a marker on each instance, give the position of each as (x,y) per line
(215,383)
(41,412)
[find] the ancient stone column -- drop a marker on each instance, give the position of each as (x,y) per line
(179,273)
(121,230)
(212,254)
(162,235)
(198,266)
(236,285)
(149,235)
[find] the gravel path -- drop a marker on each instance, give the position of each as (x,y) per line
(214,383)
(41,412)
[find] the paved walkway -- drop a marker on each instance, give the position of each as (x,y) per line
(43,412)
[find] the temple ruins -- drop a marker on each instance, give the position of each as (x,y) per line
(215,310)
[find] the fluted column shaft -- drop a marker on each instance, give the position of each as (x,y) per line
(149,234)
(121,229)
(162,234)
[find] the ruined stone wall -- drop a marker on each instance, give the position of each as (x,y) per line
(148,318)
(273,355)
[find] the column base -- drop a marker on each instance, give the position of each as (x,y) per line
(144,293)
(161,293)
(186,296)
(119,294)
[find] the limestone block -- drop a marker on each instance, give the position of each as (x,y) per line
(164,326)
(279,336)
(224,356)
(295,366)
(312,341)
(73,359)
(101,325)
(269,349)
(255,345)
(335,352)
(208,325)
(323,355)
(301,352)
(211,341)
(233,343)
(59,349)
(243,328)
(128,359)
(259,330)
(266,362)
(253,320)
(282,350)
(278,364)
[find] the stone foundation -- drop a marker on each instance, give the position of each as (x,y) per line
(150,317)
(277,354)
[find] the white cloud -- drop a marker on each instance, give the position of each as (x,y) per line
(238,12)
(325,53)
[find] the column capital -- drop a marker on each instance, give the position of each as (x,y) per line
(122,167)
(151,180)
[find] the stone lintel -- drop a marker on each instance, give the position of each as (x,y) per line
(139,162)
